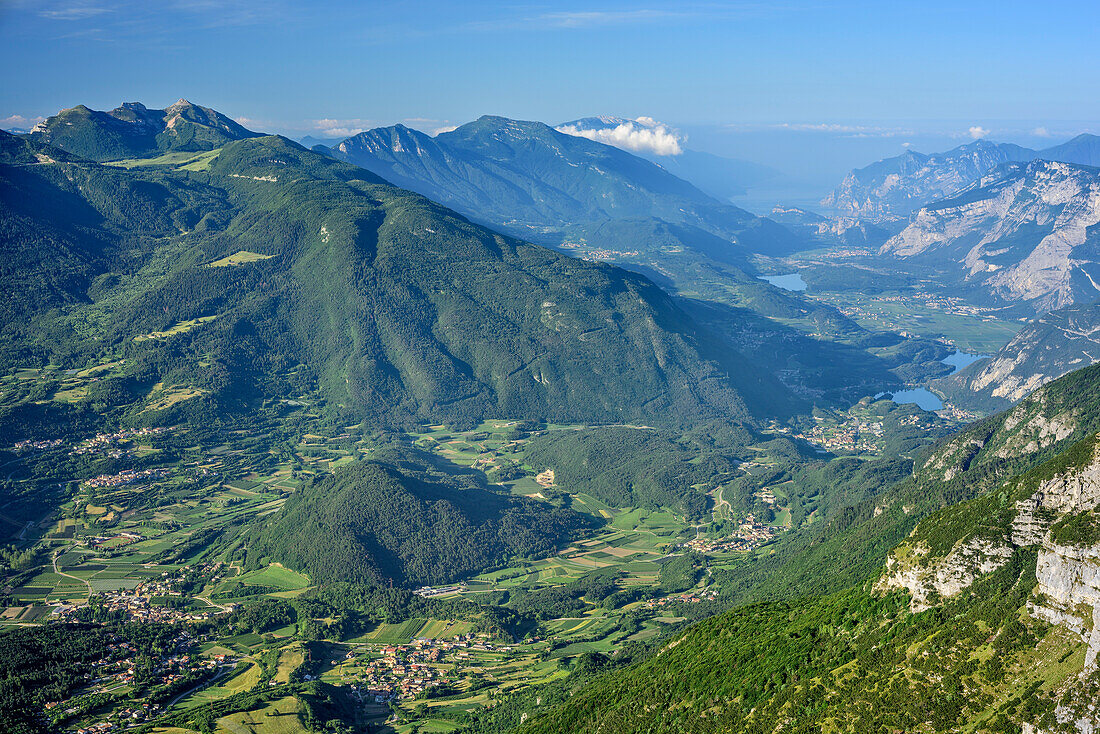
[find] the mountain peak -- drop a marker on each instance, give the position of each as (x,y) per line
(133,131)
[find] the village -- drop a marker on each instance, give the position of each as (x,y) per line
(855,434)
(121,669)
(406,672)
(110,443)
(943,304)
(749,535)
(101,443)
(159,599)
(689,597)
(126,476)
(138,605)
(31,444)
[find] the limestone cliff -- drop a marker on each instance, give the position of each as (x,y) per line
(1024,236)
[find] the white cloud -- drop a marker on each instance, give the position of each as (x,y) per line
(586,19)
(977,132)
(331,128)
(251,123)
(431,125)
(1041,132)
(643,135)
(19,122)
(576,20)
(833,128)
(76,11)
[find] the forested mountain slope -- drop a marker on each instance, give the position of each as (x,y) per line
(983,619)
(261,268)
(601,203)
(377,523)
(134,131)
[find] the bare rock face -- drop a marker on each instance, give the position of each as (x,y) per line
(953,458)
(946,576)
(1022,234)
(1074,492)
(1057,343)
(1069,592)
(1037,429)
(893,188)
(1071,574)
(1031,523)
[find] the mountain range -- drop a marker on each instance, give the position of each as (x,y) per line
(240,291)
(533,181)
(134,131)
(1024,236)
(273,256)
(602,203)
(890,190)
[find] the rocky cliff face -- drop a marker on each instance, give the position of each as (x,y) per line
(1057,343)
(1069,592)
(977,551)
(1045,515)
(1051,500)
(1026,233)
(928,579)
(894,188)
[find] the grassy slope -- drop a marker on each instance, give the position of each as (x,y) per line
(858,661)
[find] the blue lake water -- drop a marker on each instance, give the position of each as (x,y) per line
(961,360)
(789,282)
(926,399)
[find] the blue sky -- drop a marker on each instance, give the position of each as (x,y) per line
(739,75)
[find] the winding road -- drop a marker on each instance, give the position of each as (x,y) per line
(59,572)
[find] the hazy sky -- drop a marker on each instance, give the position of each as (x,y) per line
(740,75)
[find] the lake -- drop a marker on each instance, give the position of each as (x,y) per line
(788,282)
(961,360)
(926,399)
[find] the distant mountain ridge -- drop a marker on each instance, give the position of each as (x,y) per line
(893,188)
(132,130)
(1024,237)
(844,231)
(533,181)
